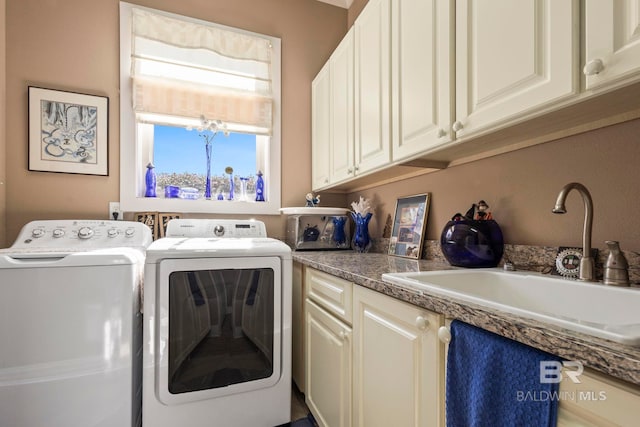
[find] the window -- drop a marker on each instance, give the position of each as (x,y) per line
(201,103)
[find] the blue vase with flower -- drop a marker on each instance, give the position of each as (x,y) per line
(361,241)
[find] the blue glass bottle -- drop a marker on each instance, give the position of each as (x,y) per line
(150,181)
(260,188)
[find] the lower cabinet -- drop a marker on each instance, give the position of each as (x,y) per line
(377,362)
(328,367)
(597,401)
(398,363)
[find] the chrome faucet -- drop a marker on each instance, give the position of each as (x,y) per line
(587,265)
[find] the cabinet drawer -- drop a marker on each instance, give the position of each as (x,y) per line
(330,292)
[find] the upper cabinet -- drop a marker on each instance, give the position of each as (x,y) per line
(372,86)
(320,127)
(437,82)
(332,131)
(422,75)
(612,41)
(512,56)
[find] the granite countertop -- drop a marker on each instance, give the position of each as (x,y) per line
(618,360)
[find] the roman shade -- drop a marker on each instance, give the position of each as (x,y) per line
(183,69)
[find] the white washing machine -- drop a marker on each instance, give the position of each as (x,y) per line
(70,324)
(217,326)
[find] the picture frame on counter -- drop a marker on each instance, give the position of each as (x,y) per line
(150,219)
(409,225)
(68,132)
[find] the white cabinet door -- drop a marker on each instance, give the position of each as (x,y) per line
(297,325)
(597,400)
(328,368)
(342,110)
(398,363)
(372,85)
(320,128)
(612,41)
(512,57)
(422,75)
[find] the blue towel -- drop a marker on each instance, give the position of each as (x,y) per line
(494,381)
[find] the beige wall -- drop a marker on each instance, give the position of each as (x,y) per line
(3,102)
(74,45)
(521,188)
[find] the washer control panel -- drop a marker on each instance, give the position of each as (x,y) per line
(217,228)
(82,235)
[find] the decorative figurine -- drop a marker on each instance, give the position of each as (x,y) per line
(150,181)
(483,213)
(312,201)
(260,188)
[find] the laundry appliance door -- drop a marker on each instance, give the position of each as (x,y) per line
(219,326)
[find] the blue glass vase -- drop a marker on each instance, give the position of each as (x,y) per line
(339,237)
(231,187)
(207,185)
(361,241)
(150,181)
(472,243)
(260,188)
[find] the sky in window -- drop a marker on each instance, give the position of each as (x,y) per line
(179,150)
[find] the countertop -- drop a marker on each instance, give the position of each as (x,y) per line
(618,360)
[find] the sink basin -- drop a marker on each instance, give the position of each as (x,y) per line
(591,308)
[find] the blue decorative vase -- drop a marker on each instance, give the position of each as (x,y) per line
(472,243)
(260,188)
(339,237)
(230,187)
(207,185)
(361,241)
(150,181)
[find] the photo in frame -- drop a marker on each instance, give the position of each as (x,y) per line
(150,219)
(163,221)
(68,132)
(409,224)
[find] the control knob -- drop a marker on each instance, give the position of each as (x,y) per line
(38,232)
(129,232)
(85,233)
(58,232)
(218,230)
(112,232)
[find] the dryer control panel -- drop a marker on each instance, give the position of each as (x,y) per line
(217,228)
(74,235)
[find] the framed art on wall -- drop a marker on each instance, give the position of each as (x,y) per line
(409,224)
(68,132)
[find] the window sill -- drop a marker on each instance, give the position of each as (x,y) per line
(150,204)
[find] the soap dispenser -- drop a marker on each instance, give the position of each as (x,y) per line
(616,269)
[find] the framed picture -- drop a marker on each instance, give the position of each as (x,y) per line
(150,219)
(163,221)
(68,132)
(409,224)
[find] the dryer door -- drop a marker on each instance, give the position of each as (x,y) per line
(219,323)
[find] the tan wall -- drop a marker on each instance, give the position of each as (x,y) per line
(521,188)
(3,102)
(74,45)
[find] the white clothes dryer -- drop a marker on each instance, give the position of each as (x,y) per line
(71,328)
(217,326)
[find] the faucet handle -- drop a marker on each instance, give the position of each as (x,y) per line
(616,268)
